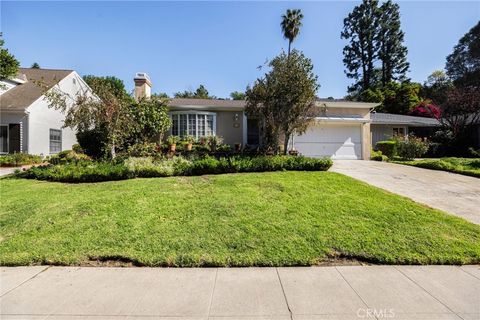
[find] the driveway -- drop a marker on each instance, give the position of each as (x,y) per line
(450,192)
(7,170)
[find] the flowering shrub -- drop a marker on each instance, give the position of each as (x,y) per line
(412,148)
(427,110)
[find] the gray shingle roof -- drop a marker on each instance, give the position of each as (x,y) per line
(388,118)
(206,102)
(23,95)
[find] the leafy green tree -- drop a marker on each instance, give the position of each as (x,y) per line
(115,85)
(237,95)
(400,98)
(361,29)
(107,110)
(200,93)
(35,66)
(391,51)
(463,65)
(291,23)
(151,120)
(160,95)
(436,87)
(8,64)
(284,98)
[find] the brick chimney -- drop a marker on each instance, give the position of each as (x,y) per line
(143,86)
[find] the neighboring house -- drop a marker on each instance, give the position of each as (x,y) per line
(384,126)
(27,124)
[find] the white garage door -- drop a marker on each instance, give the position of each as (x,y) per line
(338,141)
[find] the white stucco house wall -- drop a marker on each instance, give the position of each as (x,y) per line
(27,123)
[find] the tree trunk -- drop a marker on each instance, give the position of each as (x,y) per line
(289,45)
(285,143)
(112,151)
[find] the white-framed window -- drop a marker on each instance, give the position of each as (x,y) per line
(193,123)
(55,140)
(3,139)
(399,132)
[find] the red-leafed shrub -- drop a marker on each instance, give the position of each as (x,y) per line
(427,110)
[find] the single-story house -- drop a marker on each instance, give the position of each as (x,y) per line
(344,130)
(386,125)
(27,124)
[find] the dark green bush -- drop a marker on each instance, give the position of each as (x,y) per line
(378,156)
(19,159)
(68,156)
(388,148)
(75,172)
(176,166)
(143,150)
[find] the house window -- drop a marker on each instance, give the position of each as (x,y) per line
(398,132)
(253,132)
(3,139)
(55,140)
(197,124)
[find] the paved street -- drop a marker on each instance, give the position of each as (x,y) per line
(343,292)
(450,192)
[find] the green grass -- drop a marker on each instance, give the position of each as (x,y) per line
(262,219)
(465,166)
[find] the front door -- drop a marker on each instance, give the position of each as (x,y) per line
(13,138)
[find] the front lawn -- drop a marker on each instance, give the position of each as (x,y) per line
(465,166)
(263,219)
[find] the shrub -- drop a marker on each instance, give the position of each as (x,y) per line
(68,156)
(388,148)
(412,148)
(145,149)
(176,166)
(78,172)
(150,167)
(77,148)
(378,156)
(19,159)
(224,148)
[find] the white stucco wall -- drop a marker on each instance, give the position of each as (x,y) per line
(42,118)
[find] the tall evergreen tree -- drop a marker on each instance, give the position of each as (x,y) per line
(291,23)
(360,27)
(463,65)
(391,51)
(8,64)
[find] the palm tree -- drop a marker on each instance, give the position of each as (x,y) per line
(291,23)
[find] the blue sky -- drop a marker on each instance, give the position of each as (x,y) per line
(218,44)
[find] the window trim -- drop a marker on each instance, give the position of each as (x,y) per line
(8,138)
(398,134)
(50,140)
(196,113)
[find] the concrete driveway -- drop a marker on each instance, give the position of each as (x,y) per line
(450,192)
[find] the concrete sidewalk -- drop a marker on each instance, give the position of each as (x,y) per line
(344,292)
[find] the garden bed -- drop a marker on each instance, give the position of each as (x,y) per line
(88,171)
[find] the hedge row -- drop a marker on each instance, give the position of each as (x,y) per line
(177,166)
